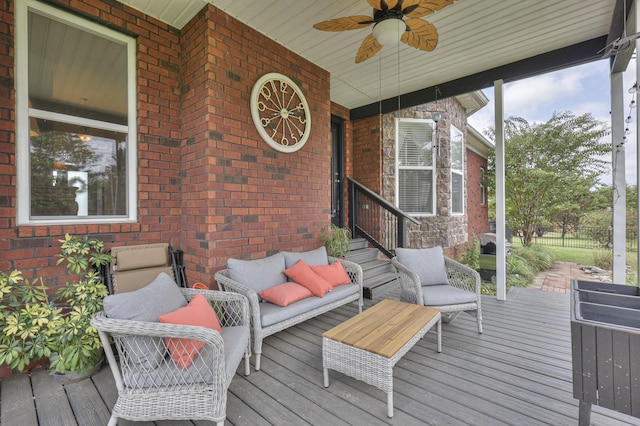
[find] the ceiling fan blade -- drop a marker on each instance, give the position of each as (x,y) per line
(344,24)
(420,34)
(368,48)
(383,4)
(420,8)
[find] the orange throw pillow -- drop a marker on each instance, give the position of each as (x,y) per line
(303,275)
(197,312)
(285,294)
(334,273)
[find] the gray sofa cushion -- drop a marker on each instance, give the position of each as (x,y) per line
(312,257)
(427,263)
(445,294)
(271,314)
(170,373)
(258,274)
(159,297)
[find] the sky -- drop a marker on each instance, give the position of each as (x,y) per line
(579,89)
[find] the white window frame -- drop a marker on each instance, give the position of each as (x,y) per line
(432,167)
(23,112)
(457,172)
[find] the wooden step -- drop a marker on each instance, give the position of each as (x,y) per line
(375,287)
(376,267)
(379,276)
(363,255)
(358,243)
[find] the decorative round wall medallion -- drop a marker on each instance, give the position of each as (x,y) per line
(280,112)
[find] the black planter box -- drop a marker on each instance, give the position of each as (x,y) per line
(605,343)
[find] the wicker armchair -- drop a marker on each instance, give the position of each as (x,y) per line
(259,331)
(166,390)
(459,293)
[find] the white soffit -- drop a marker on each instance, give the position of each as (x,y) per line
(475,35)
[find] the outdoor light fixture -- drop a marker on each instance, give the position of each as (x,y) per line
(389,31)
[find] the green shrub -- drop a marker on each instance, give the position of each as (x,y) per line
(539,258)
(519,270)
(488,289)
(603,259)
(471,255)
(523,264)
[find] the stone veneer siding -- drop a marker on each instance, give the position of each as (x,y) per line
(443,229)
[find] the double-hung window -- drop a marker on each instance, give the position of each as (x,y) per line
(76,119)
(415,166)
(457,171)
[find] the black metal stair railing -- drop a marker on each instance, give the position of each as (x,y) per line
(376,220)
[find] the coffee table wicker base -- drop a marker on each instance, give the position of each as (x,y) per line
(374,369)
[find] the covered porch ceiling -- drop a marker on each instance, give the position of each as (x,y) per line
(480,41)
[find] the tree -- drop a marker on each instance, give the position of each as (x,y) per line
(53,154)
(549,168)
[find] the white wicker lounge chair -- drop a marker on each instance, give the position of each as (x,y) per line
(159,388)
(429,278)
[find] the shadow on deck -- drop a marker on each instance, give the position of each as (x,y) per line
(517,373)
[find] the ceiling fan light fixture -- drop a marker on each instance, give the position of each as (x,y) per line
(389,31)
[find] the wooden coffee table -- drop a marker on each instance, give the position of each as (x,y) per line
(367,346)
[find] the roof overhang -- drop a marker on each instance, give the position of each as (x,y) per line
(480,41)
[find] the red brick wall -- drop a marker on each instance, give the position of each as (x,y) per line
(8,232)
(31,248)
(243,198)
(367,148)
(207,182)
(477,214)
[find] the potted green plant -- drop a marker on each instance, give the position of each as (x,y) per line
(35,325)
(28,321)
(336,240)
(78,348)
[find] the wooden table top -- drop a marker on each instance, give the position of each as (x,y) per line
(384,328)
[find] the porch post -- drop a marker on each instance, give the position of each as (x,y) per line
(501,258)
(619,184)
(637,152)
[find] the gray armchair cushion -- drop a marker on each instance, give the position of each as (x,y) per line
(169,373)
(316,257)
(445,294)
(427,263)
(159,297)
(258,274)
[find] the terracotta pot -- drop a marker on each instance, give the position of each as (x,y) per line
(5,371)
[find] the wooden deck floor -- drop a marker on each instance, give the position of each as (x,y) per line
(517,373)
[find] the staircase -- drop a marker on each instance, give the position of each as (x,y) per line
(379,274)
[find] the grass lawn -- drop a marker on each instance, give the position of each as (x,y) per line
(583,256)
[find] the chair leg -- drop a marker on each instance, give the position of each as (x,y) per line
(247,367)
(258,361)
(479,319)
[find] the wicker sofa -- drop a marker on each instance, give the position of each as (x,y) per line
(249,277)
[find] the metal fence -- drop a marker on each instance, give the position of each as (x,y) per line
(584,237)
